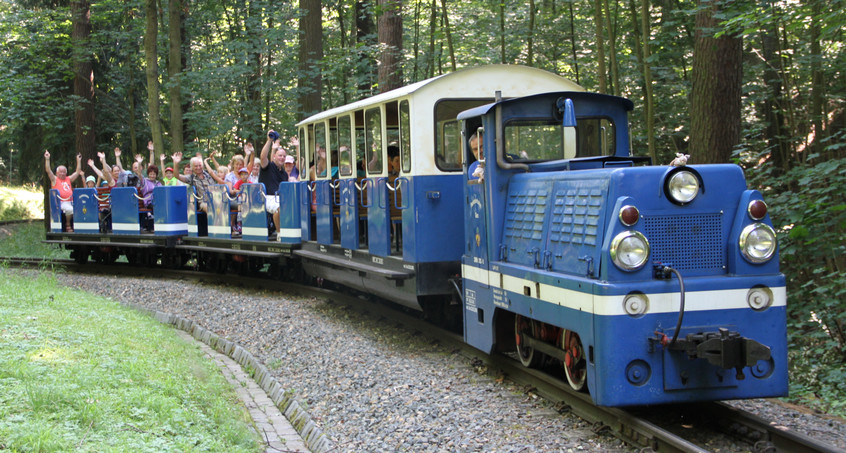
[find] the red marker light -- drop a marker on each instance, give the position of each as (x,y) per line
(629,215)
(757,209)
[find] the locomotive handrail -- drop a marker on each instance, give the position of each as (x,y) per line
(106,197)
(64,199)
(141,198)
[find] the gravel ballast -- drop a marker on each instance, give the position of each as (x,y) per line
(370,386)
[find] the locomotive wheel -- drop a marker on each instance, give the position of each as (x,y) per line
(575,365)
(527,354)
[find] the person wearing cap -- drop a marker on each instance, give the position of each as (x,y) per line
(90,182)
(290,170)
(169,179)
(243,178)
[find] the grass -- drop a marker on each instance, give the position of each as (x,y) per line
(23,240)
(82,373)
(21,203)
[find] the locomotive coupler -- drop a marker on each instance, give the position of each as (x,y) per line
(724,349)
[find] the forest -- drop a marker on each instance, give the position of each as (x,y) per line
(758,83)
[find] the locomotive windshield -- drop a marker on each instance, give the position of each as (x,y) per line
(538,141)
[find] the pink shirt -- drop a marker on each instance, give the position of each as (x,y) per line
(63,185)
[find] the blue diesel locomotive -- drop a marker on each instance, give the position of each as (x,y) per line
(504,200)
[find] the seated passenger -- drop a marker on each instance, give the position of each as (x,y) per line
(393,160)
(290,169)
(63,183)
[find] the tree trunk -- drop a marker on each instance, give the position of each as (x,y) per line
(600,48)
(573,41)
(174,71)
(717,78)
(817,83)
(151,58)
(772,108)
(390,41)
(502,32)
(612,49)
(310,82)
(647,81)
(430,60)
(530,56)
(448,35)
(252,128)
(83,81)
(365,36)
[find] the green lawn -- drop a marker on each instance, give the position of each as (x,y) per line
(82,373)
(18,203)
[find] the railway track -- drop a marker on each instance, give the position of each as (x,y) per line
(660,429)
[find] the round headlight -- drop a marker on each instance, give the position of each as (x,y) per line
(629,250)
(757,242)
(683,187)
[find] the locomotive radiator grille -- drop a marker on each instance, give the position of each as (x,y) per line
(575,216)
(525,213)
(688,242)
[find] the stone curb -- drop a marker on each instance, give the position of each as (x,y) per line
(285,400)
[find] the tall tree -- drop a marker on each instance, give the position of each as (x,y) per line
(390,43)
(602,84)
(174,70)
(773,105)
(448,35)
(612,48)
(366,39)
(717,77)
(530,51)
(151,58)
(310,81)
(647,81)
(83,80)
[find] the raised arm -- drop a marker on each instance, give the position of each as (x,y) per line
(95,169)
(248,156)
(48,169)
(212,155)
(78,171)
(214,176)
(107,171)
(265,150)
(177,158)
(117,159)
(140,172)
(152,149)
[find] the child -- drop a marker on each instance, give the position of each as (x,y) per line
(169,179)
(243,178)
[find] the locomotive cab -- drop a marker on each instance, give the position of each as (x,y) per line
(578,251)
